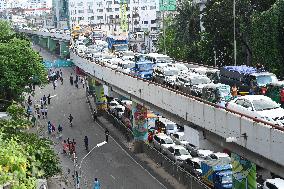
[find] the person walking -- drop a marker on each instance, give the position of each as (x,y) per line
(64,147)
(60,129)
(53,130)
(97,184)
(60,73)
(86,141)
(44,99)
(48,99)
(61,79)
(42,111)
(49,127)
(107,134)
(45,112)
(83,82)
(71,79)
(33,120)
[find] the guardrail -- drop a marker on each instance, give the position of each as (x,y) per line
(262,138)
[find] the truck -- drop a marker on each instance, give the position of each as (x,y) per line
(143,69)
(217,173)
(117,44)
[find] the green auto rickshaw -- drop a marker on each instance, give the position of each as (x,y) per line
(276,92)
(214,92)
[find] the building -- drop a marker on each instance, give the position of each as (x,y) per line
(137,15)
(60,11)
(3,5)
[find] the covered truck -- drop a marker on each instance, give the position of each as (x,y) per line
(217,173)
(117,44)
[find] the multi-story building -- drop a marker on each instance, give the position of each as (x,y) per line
(140,14)
(60,10)
(3,5)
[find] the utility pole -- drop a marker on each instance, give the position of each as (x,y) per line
(235,43)
(164,27)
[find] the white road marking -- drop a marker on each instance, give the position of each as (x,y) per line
(112,177)
(53,96)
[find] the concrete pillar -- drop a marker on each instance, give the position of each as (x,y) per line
(51,44)
(139,126)
(64,49)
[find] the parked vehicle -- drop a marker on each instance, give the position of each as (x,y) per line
(168,126)
(112,104)
(161,142)
(117,44)
(276,183)
(197,84)
(217,174)
(181,67)
(276,92)
(165,75)
(245,78)
(177,153)
(143,69)
(125,66)
(178,138)
(118,111)
(158,58)
(260,107)
(214,92)
(218,155)
(193,166)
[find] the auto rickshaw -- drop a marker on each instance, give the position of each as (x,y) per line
(276,92)
(214,92)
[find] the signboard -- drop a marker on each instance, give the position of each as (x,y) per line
(101,100)
(167,5)
(244,173)
(123,15)
(140,126)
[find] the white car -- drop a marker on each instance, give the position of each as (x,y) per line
(181,67)
(260,107)
(162,142)
(118,111)
(276,183)
(178,154)
(204,153)
(218,155)
(112,104)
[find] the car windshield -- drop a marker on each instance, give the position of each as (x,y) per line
(266,79)
(171,126)
(180,152)
(171,72)
(227,179)
(263,104)
(112,104)
(167,141)
(200,80)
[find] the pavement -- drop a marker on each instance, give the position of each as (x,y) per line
(113,164)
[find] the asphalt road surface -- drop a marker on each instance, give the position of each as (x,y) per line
(114,168)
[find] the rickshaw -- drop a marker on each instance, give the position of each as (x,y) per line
(214,92)
(276,92)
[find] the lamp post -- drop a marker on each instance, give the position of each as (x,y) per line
(235,43)
(80,165)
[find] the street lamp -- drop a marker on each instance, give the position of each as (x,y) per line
(97,146)
(235,43)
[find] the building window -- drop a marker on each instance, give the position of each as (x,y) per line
(80,4)
(116,9)
(100,10)
(145,22)
(80,11)
(152,7)
(153,21)
(90,11)
(109,9)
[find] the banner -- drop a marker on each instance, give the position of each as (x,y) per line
(140,126)
(101,100)
(244,173)
(167,5)
(123,15)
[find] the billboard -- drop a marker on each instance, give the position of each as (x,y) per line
(244,173)
(140,125)
(167,5)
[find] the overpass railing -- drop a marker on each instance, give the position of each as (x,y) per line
(262,138)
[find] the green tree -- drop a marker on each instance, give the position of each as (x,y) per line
(19,63)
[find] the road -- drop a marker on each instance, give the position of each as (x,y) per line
(110,163)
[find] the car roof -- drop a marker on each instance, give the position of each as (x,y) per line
(178,147)
(205,152)
(254,97)
(277,182)
(220,154)
(162,135)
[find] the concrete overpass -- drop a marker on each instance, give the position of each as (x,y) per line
(257,141)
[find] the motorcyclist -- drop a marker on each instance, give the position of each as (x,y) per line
(86,141)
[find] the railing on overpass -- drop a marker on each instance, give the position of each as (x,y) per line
(46,34)
(262,138)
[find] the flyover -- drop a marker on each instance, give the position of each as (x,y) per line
(257,141)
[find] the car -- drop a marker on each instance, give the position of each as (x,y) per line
(218,155)
(162,142)
(258,106)
(276,183)
(177,138)
(192,149)
(177,153)
(52,30)
(181,67)
(197,83)
(169,126)
(112,104)
(165,75)
(204,153)
(118,111)
(193,166)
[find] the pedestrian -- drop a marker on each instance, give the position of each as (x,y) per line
(73,146)
(61,79)
(71,79)
(54,84)
(48,99)
(44,99)
(45,112)
(64,147)
(33,86)
(83,82)
(76,84)
(49,127)
(97,184)
(41,101)
(42,112)
(60,72)
(29,111)
(77,78)
(86,141)
(53,130)
(69,146)
(107,134)
(60,129)
(30,101)
(33,120)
